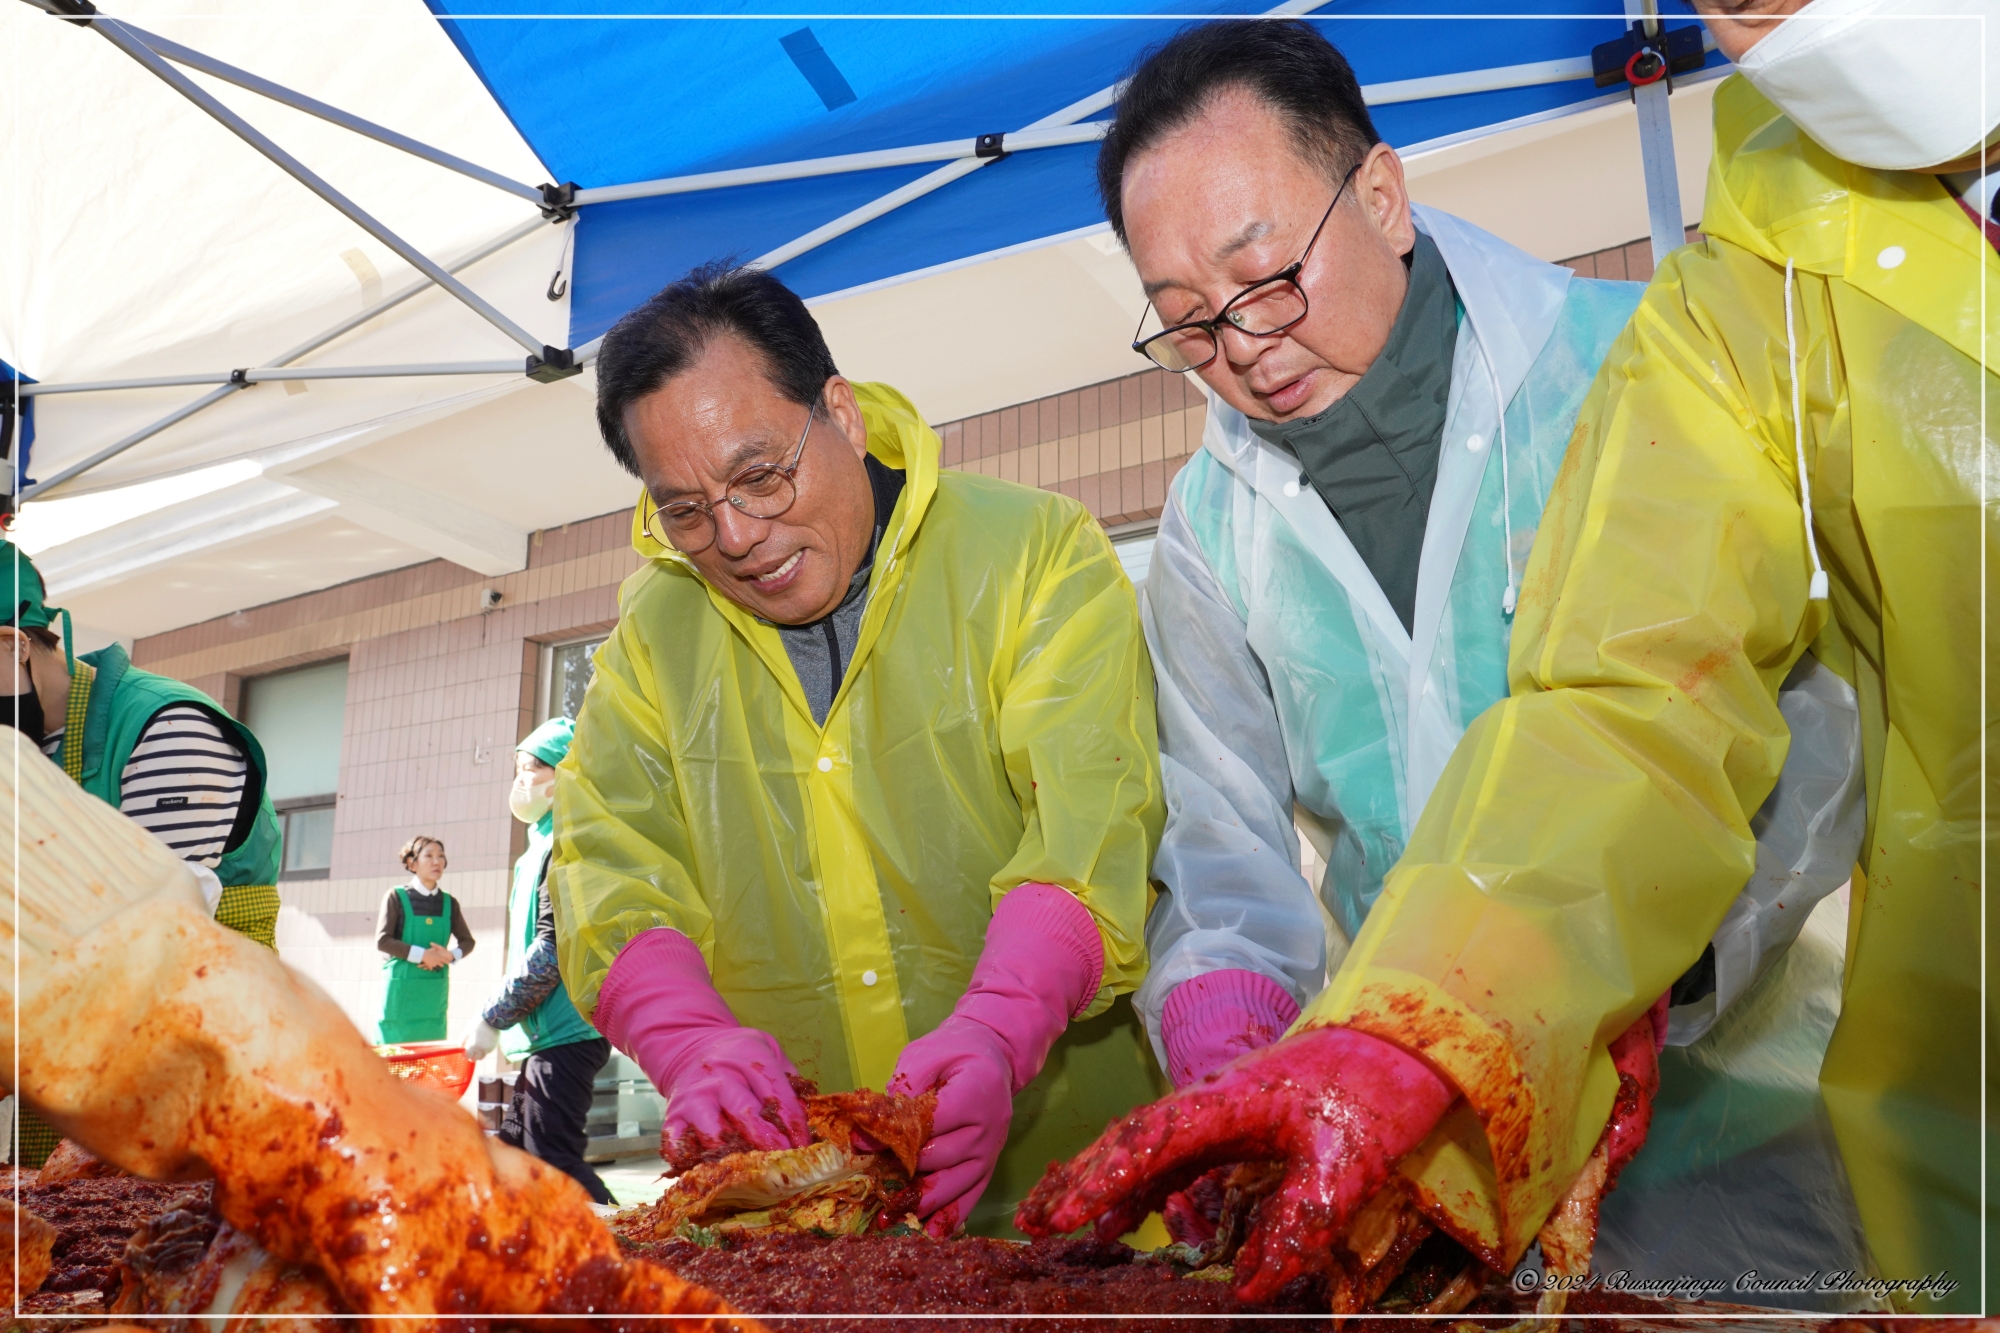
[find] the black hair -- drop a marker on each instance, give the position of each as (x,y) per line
(1286,64)
(43,635)
(668,334)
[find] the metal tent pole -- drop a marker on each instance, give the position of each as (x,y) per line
(394,299)
(945,151)
(115,32)
(305,348)
(265,374)
(1656,147)
(194,59)
(923,185)
(111,451)
(1061,136)
(991,149)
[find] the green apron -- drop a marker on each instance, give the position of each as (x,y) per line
(413,1008)
(555,1021)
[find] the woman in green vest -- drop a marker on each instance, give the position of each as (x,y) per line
(163,752)
(531,1018)
(421,932)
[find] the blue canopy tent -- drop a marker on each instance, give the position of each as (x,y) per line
(856,146)
(718,94)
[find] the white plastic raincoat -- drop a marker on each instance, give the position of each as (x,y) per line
(1290,692)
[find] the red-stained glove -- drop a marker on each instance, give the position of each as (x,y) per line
(1208,1021)
(1041,966)
(1339,1106)
(727,1087)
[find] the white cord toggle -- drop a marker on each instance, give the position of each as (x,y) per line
(1817,589)
(1509,597)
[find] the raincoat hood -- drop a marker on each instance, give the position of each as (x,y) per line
(1776,193)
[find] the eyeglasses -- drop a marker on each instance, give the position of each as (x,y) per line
(1264,309)
(763,490)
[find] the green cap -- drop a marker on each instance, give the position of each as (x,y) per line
(28,608)
(550,741)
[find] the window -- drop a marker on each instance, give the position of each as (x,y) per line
(1133,544)
(567,669)
(297,716)
(308,831)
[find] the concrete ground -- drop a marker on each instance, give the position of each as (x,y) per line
(633,1179)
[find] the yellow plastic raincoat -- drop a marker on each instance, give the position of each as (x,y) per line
(1590,831)
(995,726)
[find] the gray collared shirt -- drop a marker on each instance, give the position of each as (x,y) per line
(822,649)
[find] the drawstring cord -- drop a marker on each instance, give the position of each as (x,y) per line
(1509,597)
(1817,591)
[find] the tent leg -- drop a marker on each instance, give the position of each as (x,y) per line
(1656,146)
(1663,183)
(180,82)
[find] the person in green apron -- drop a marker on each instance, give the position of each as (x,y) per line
(421,932)
(530,1018)
(164,753)
(865,785)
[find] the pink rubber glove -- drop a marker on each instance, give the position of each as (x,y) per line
(727,1087)
(1041,966)
(1339,1106)
(1211,1019)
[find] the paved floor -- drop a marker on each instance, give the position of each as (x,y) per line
(634,1179)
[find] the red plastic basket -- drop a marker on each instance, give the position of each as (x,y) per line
(438,1065)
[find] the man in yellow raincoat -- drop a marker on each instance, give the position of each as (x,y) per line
(866,783)
(1784,452)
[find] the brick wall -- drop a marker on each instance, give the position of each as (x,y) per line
(1632,261)
(1115,446)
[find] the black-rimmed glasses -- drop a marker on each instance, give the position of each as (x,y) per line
(1264,309)
(763,490)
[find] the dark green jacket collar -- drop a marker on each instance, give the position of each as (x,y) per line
(1373,455)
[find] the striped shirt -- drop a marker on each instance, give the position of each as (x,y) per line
(184,783)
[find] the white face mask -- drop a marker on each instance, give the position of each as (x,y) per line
(531,800)
(1878,86)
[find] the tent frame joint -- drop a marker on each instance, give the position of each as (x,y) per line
(555,363)
(990,145)
(240,377)
(559,201)
(1640,57)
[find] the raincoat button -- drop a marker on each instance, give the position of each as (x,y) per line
(825,764)
(1291,489)
(869,978)
(1891,257)
(1475,442)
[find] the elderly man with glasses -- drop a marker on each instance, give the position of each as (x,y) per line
(866,785)
(1330,606)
